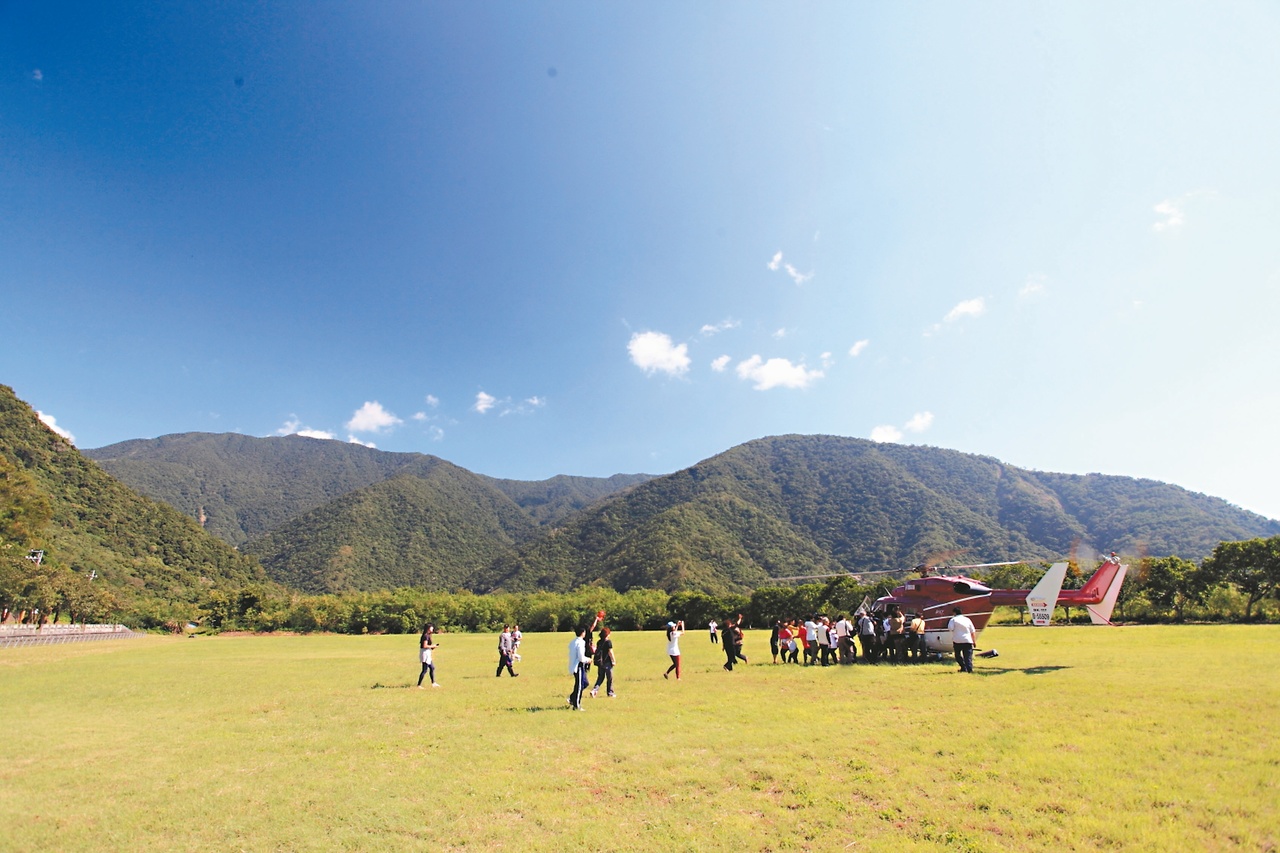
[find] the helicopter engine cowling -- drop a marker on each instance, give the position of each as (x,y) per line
(970,587)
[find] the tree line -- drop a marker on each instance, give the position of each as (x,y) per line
(1237,582)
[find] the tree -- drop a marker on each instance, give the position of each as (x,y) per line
(1253,565)
(1172,583)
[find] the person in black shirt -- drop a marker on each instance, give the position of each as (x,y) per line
(604,661)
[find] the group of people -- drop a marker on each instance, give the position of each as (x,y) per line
(825,642)
(892,636)
(585,650)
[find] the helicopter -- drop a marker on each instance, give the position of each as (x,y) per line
(938,591)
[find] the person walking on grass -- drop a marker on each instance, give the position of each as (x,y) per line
(578,667)
(426,645)
(963,635)
(712,625)
(733,639)
(604,661)
(674,630)
(506,648)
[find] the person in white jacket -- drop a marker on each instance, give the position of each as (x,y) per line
(577,667)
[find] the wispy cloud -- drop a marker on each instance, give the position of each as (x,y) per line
(37,75)
(351,439)
(798,277)
(776,373)
(371,417)
(293,426)
(919,422)
(1173,215)
(655,352)
(524,407)
(968,308)
(858,348)
(719,364)
(722,326)
(775,264)
(436,433)
(1034,285)
(1172,212)
(484,402)
(433,401)
(52,423)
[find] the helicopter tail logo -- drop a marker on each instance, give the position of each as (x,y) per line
(1042,599)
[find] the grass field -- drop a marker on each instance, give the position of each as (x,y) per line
(1148,738)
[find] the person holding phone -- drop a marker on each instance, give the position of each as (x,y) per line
(674,630)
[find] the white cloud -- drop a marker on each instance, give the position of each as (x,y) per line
(351,439)
(536,402)
(1035,283)
(720,364)
(780,334)
(722,326)
(655,352)
(37,75)
(294,427)
(798,277)
(484,402)
(968,308)
(776,372)
(1174,216)
(371,417)
(857,348)
(419,416)
(52,423)
(436,433)
(919,422)
(886,433)
(433,401)
(826,360)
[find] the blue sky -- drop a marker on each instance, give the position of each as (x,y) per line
(592,238)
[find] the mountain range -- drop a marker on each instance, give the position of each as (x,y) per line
(326,516)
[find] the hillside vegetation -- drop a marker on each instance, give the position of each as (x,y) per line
(143,555)
(325,516)
(792,505)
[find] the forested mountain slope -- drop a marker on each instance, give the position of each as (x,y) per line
(240,487)
(432,525)
(143,551)
(804,504)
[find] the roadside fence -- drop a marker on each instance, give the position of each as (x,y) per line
(13,636)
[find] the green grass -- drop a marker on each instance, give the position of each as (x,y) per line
(1147,738)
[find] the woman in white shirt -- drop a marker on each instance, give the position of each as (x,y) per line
(674,630)
(427,645)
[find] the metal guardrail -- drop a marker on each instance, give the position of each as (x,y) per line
(15,636)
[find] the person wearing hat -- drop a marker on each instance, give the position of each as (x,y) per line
(674,630)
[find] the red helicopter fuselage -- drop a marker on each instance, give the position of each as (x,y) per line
(936,596)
